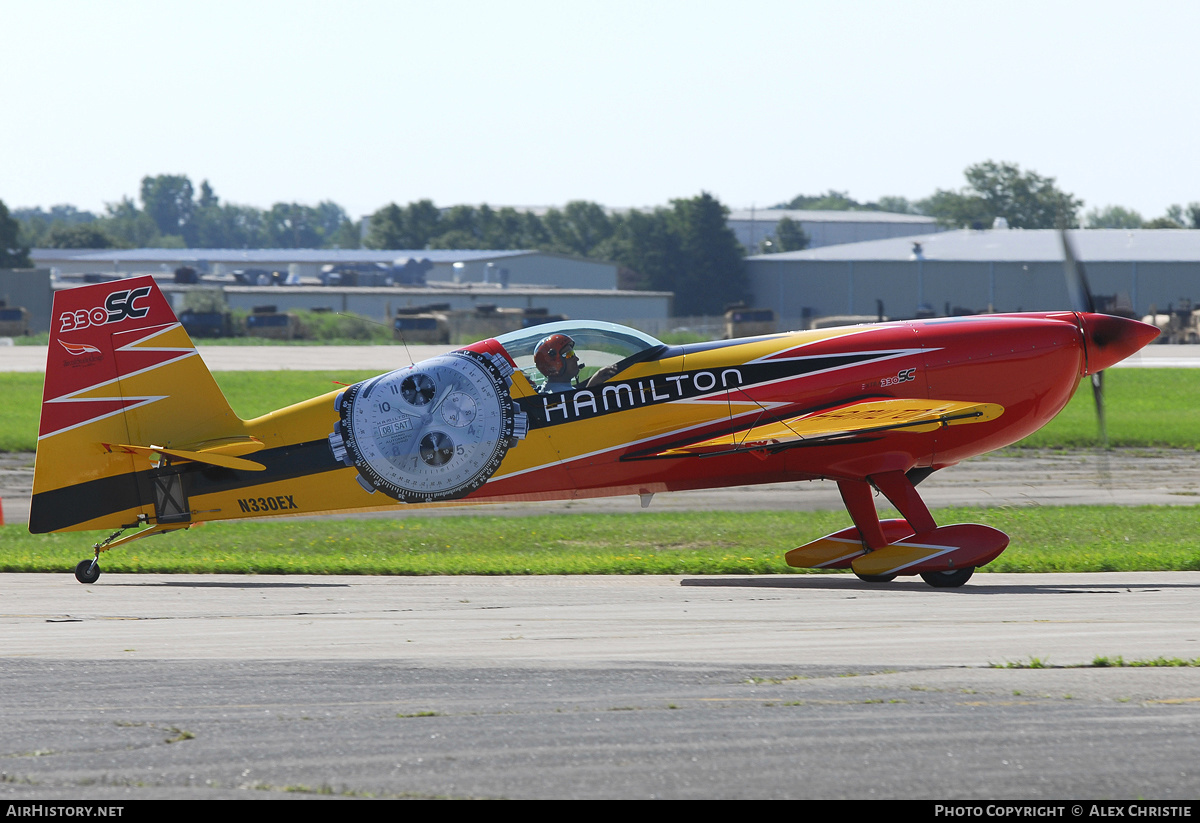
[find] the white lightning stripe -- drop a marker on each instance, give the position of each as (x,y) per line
(74,396)
(939,550)
(140,401)
(134,402)
(153,331)
(857,551)
(880,354)
(883,356)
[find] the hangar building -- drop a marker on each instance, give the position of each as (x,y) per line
(531,268)
(827,228)
(955,272)
(464,280)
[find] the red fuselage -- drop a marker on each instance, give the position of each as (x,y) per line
(1030,364)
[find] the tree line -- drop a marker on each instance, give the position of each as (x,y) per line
(173,214)
(684,247)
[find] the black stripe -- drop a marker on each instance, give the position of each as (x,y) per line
(70,505)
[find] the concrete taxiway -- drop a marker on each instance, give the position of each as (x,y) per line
(812,686)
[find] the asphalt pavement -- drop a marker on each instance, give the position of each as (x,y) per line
(813,686)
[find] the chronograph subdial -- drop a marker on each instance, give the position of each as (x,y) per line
(459,409)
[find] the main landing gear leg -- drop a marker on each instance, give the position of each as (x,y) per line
(879,550)
(898,488)
(857,495)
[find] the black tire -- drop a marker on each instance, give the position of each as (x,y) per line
(948,579)
(88,571)
(875,578)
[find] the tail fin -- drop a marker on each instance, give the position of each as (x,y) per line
(123,381)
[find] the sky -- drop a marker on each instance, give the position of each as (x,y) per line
(628,104)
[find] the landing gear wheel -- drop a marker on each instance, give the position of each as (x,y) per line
(948,579)
(88,571)
(875,578)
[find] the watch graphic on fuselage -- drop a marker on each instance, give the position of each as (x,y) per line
(433,431)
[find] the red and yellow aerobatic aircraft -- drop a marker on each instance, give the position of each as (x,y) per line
(136,433)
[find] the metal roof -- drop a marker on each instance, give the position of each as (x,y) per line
(1014,245)
(251,256)
(813,216)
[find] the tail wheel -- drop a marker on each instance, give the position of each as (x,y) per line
(948,579)
(88,571)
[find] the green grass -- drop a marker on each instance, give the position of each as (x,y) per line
(1146,407)
(1044,539)
(253,393)
(1102,662)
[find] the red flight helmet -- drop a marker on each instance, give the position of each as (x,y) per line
(552,356)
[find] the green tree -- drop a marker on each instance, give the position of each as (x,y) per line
(227,226)
(386,227)
(829,201)
(167,199)
(410,227)
(579,228)
(1113,217)
(12,256)
(647,250)
(291,226)
(78,236)
(462,227)
(897,205)
(789,236)
(1177,218)
(713,272)
(1025,200)
(36,223)
(129,226)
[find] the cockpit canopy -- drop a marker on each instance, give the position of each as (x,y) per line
(596,344)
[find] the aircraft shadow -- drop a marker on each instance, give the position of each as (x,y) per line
(975,587)
(240,583)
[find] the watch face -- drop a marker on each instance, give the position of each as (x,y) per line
(434,431)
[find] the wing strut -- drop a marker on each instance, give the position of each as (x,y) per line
(897,488)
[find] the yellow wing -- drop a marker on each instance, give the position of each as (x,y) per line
(845,421)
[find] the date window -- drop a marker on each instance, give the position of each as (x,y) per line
(395,427)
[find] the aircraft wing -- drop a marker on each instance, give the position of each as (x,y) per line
(864,417)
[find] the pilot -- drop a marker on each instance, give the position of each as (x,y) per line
(555,358)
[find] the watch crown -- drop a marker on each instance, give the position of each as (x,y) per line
(520,425)
(337,445)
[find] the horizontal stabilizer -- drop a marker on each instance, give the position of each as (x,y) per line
(860,418)
(212,458)
(944,549)
(837,550)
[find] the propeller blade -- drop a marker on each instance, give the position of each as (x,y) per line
(1077,285)
(1081,301)
(1098,395)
